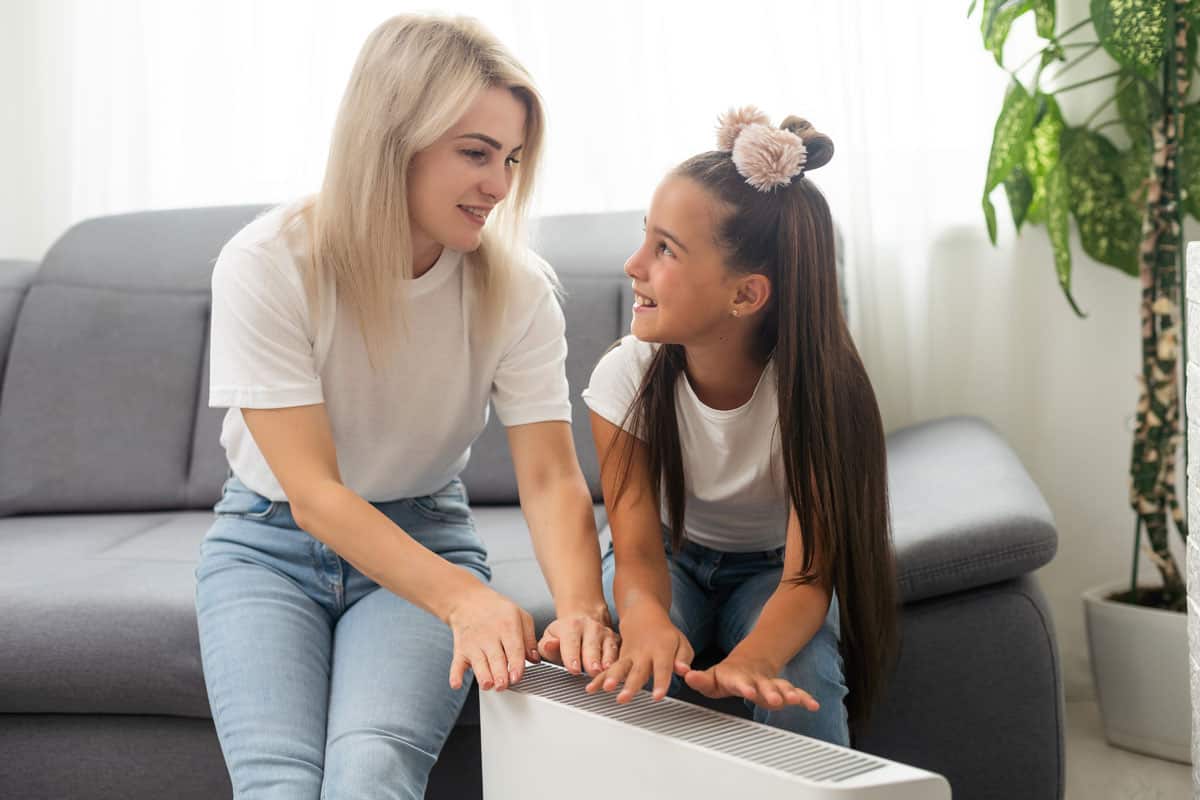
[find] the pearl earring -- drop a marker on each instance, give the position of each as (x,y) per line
(733,313)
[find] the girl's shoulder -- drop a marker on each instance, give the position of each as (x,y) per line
(628,358)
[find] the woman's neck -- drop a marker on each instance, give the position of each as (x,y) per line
(723,372)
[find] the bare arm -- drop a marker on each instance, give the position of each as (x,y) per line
(491,636)
(558,508)
(652,646)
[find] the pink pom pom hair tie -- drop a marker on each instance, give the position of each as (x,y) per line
(766,157)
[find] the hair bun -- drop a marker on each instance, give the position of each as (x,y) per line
(818,145)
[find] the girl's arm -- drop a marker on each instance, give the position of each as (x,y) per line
(652,645)
(492,635)
(789,620)
(558,509)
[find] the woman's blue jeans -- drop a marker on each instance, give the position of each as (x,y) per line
(717,597)
(322,683)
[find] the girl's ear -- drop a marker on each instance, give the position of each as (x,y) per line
(753,292)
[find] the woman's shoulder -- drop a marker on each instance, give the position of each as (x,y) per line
(269,246)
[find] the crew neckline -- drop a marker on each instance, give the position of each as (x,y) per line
(436,275)
(727,413)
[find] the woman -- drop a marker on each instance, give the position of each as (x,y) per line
(357,339)
(741,447)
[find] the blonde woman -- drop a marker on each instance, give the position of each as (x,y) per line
(357,338)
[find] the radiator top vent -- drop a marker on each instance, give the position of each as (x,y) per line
(771,747)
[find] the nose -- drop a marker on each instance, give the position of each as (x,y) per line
(497,182)
(635,266)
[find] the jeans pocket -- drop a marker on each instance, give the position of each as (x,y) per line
(448,504)
(238,501)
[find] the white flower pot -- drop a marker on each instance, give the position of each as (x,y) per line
(1140,665)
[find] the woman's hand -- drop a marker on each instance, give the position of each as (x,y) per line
(581,641)
(651,646)
(493,636)
(751,677)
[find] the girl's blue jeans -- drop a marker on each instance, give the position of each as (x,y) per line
(716,597)
(322,683)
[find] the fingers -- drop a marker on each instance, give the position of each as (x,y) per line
(615,675)
(769,692)
(497,667)
(549,647)
(530,632)
(610,649)
(794,696)
(458,669)
(514,650)
(481,668)
(570,642)
(638,675)
(703,681)
(593,641)
(663,666)
(683,656)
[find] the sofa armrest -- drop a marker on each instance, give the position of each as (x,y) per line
(15,277)
(965,513)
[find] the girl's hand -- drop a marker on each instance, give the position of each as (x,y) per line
(493,636)
(650,646)
(581,642)
(755,679)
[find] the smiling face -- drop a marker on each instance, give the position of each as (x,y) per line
(684,293)
(456,182)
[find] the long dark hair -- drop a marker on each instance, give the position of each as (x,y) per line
(832,437)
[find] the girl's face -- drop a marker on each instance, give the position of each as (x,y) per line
(454,184)
(683,292)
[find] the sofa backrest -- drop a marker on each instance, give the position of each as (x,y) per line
(103,400)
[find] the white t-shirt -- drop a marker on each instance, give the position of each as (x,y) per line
(732,459)
(406,429)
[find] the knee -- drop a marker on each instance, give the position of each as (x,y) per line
(379,765)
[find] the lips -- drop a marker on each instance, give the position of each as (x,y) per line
(476,214)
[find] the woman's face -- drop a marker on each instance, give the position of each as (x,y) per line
(683,292)
(454,184)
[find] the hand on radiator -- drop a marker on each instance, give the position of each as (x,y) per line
(755,679)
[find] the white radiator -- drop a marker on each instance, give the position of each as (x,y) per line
(546,737)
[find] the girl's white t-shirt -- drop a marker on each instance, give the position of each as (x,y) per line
(406,428)
(732,459)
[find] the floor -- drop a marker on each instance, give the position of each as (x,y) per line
(1098,771)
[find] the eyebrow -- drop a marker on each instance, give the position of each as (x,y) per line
(667,235)
(488,141)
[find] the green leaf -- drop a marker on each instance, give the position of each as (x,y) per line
(1189,160)
(998,17)
(1058,223)
(1137,104)
(1043,11)
(1013,129)
(1042,154)
(1133,32)
(1051,53)
(1136,164)
(1019,189)
(971,8)
(1110,224)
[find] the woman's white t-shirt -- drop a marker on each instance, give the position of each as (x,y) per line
(406,428)
(736,500)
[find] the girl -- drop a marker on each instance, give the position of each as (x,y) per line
(357,338)
(738,424)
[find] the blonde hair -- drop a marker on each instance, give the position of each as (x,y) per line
(413,78)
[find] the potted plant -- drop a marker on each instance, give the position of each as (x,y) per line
(1128,204)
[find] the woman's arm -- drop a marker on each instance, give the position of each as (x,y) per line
(558,509)
(652,646)
(492,635)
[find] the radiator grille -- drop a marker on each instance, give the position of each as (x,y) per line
(760,744)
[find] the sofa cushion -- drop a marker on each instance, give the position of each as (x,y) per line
(99,609)
(965,513)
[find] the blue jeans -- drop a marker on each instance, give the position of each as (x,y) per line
(717,596)
(322,683)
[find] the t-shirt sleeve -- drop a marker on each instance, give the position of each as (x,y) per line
(261,352)
(530,384)
(615,381)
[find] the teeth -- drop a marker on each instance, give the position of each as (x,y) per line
(474,212)
(642,300)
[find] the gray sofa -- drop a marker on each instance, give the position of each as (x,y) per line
(109,464)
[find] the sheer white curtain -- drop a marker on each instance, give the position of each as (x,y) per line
(127,105)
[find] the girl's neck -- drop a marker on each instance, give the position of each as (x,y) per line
(723,372)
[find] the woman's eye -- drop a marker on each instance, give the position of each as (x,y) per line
(511,162)
(475,155)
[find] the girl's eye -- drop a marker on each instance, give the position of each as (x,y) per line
(665,249)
